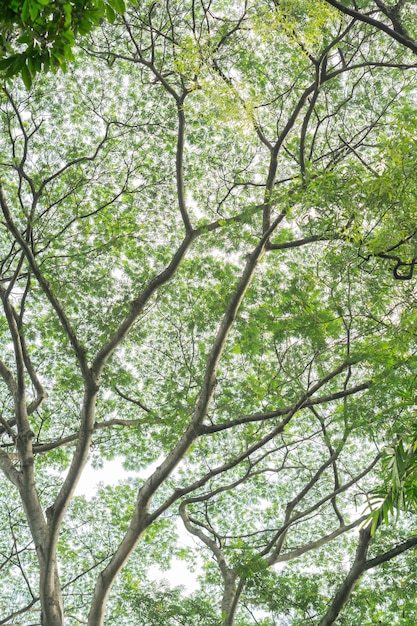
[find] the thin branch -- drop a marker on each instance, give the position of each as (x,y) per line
(314,545)
(11,616)
(302,242)
(132,400)
(38,448)
(258,417)
(139,303)
(65,323)
(390,554)
(179,164)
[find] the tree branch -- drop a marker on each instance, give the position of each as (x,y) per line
(401,37)
(259,417)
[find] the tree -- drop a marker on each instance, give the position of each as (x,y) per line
(207,268)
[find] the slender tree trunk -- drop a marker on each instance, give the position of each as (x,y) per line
(50,596)
(229,592)
(52,610)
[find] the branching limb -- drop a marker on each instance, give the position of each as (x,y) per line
(359,566)
(401,37)
(141,518)
(47,289)
(290,520)
(231,591)
(139,303)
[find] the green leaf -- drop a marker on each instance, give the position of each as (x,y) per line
(110,14)
(33,9)
(118,5)
(27,77)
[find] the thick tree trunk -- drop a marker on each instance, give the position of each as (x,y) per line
(52,608)
(52,612)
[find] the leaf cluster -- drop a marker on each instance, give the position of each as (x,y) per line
(39,35)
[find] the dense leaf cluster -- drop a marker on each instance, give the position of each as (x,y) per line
(39,35)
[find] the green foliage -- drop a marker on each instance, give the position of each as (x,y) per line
(39,35)
(399,491)
(156,604)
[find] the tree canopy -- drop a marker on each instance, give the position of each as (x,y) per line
(207,270)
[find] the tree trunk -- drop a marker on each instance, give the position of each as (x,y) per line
(231,595)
